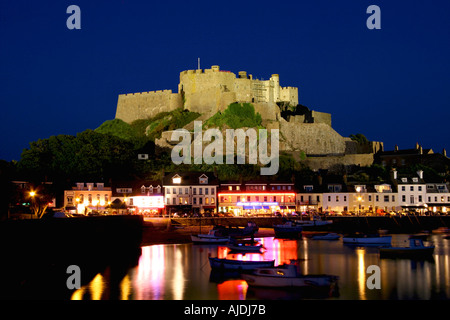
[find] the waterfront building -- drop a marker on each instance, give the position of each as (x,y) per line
(372,199)
(190,192)
(411,191)
(309,198)
(87,197)
(138,197)
(336,200)
(257,198)
(437,198)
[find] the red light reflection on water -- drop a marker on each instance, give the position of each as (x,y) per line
(280,250)
(232,290)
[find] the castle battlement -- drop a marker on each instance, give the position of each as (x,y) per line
(205,91)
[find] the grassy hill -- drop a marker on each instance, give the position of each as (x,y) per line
(236,115)
(150,128)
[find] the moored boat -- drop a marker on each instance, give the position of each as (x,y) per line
(287,275)
(367,239)
(328,236)
(239,265)
(315,224)
(289,229)
(416,249)
(210,238)
(245,246)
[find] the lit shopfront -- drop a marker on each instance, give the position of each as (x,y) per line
(261,203)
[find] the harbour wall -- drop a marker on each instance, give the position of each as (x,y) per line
(341,224)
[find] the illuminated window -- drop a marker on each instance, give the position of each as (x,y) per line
(176,179)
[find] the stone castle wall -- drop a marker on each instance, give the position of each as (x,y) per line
(311,138)
(143,105)
(207,91)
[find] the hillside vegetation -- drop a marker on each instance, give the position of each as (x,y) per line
(143,130)
(236,115)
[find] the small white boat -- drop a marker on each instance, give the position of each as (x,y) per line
(287,275)
(211,237)
(328,236)
(364,239)
(238,265)
(416,249)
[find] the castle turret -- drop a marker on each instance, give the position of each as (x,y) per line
(276,87)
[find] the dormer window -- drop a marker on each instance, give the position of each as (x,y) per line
(143,189)
(176,179)
(308,188)
(203,179)
(415,179)
(404,180)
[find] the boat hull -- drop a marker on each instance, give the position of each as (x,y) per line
(244,248)
(286,282)
(396,252)
(208,240)
(330,236)
(238,265)
(384,240)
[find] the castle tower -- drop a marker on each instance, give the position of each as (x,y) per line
(276,87)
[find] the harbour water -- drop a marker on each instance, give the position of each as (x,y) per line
(182,272)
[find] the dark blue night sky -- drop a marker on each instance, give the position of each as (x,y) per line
(393,84)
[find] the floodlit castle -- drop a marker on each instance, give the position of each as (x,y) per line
(205,91)
(208,91)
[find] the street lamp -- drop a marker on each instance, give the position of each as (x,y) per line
(32,194)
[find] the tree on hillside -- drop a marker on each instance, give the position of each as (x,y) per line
(360,138)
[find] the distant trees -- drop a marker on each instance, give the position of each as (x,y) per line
(89,155)
(360,138)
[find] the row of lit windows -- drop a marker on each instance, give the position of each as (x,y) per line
(80,199)
(419,198)
(256,198)
(361,198)
(260,187)
(186,200)
(194,191)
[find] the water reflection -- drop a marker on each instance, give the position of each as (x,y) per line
(177,272)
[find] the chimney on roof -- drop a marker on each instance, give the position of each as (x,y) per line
(444,152)
(420,174)
(394,174)
(396,148)
(420,150)
(320,179)
(417,146)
